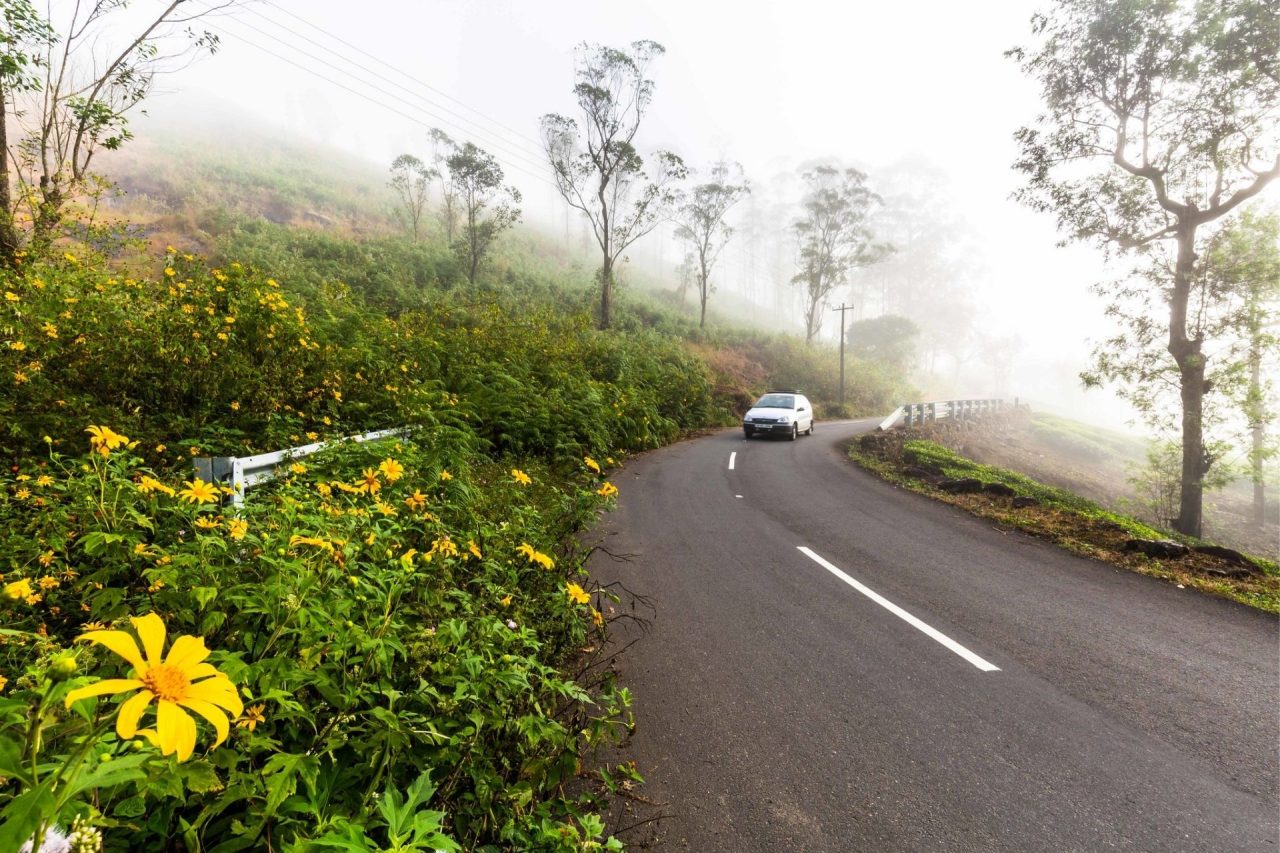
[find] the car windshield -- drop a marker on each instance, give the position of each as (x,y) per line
(776,401)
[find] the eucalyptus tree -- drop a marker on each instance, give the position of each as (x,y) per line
(92,66)
(485,206)
(834,236)
(700,222)
(442,148)
(1160,119)
(597,167)
(411,180)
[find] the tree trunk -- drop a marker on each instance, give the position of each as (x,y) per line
(606,292)
(9,243)
(1256,433)
(1187,354)
(703,288)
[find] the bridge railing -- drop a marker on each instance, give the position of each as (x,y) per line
(241,473)
(915,414)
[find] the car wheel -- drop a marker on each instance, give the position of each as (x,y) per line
(811,425)
(795,431)
(746,433)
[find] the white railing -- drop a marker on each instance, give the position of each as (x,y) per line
(914,414)
(241,473)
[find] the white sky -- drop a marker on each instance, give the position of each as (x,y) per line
(765,83)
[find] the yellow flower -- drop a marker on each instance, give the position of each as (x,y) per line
(22,494)
(235,404)
(445,547)
(608,490)
(597,617)
(10,296)
(206,523)
(44,481)
(391,469)
(592,464)
(506,600)
(49,329)
(160,448)
(535,556)
(416,501)
(151,484)
(46,559)
(520,477)
(19,346)
(370,483)
(48,582)
(18,589)
(298,468)
(180,682)
(252,716)
(313,541)
(197,491)
(474,550)
(577,593)
(445,476)
(3,681)
(69,258)
(104,439)
(92,626)
(237,528)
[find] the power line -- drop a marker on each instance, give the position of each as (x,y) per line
(511,153)
(362,95)
(401,72)
(518,143)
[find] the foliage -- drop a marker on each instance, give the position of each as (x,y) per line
(835,236)
(598,169)
(477,179)
(1159,120)
(411,181)
(388,631)
(888,338)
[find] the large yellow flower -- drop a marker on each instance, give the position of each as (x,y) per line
(197,491)
(181,680)
(520,477)
(104,439)
(391,469)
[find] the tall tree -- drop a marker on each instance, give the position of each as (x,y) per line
(1160,118)
(411,180)
(442,148)
(834,235)
(598,169)
(699,218)
(100,65)
(487,208)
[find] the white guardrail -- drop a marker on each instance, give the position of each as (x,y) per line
(241,473)
(914,414)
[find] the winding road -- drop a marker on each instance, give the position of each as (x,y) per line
(832,663)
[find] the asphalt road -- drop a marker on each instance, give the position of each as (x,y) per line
(1058,704)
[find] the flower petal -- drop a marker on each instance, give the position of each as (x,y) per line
(131,712)
(201,670)
(220,691)
(216,717)
(106,685)
(151,736)
(167,725)
(150,630)
(120,643)
(186,652)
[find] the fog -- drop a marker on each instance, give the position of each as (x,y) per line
(918,96)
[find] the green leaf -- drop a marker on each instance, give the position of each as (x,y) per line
(132,807)
(201,777)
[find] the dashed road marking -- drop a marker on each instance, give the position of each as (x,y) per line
(732,458)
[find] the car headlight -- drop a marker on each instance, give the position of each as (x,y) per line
(785,419)
(747,419)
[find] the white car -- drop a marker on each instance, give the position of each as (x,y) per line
(786,413)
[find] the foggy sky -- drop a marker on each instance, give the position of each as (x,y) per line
(770,84)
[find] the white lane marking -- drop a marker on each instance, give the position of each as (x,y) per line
(737,496)
(984,665)
(732,457)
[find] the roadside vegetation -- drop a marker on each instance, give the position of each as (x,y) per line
(912,460)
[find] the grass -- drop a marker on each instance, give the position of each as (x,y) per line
(1064,518)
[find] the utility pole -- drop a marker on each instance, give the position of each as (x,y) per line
(843,308)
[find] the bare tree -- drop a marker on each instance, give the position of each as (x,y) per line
(834,236)
(22,35)
(597,167)
(700,222)
(411,179)
(1160,119)
(91,73)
